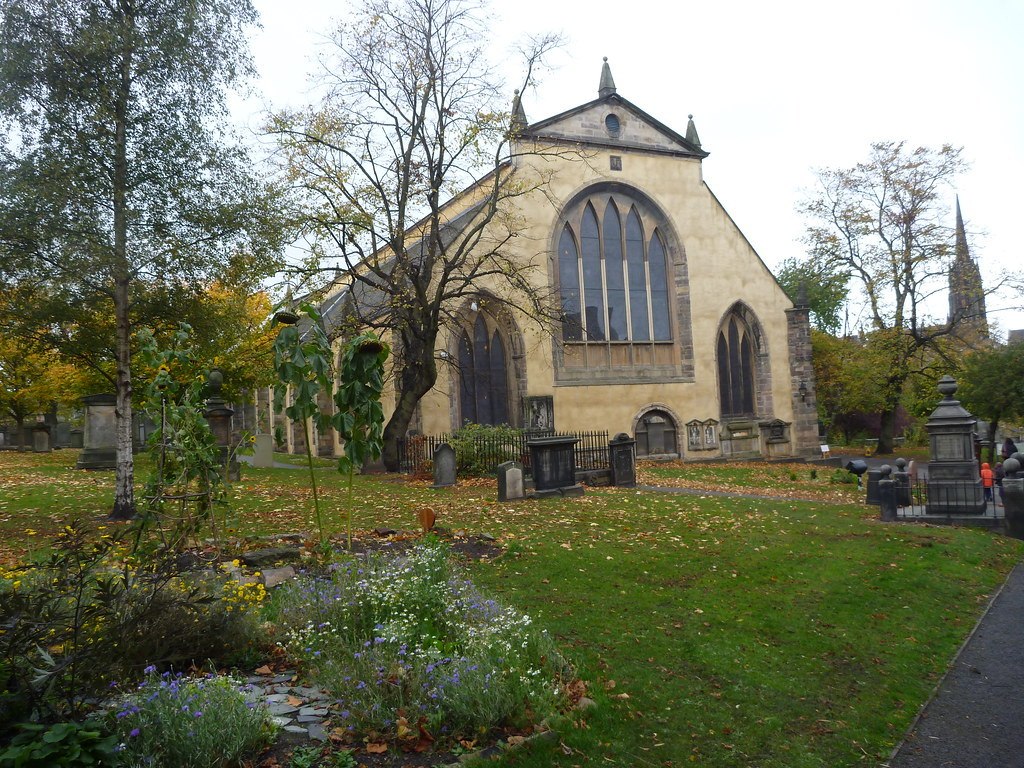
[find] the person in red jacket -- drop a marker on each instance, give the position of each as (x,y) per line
(987,479)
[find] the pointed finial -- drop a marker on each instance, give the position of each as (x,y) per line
(801,295)
(519,121)
(691,133)
(607,84)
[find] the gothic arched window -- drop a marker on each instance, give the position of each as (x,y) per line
(613,277)
(736,372)
(483,375)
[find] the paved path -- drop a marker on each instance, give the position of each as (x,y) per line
(976,718)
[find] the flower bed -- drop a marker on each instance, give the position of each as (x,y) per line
(412,651)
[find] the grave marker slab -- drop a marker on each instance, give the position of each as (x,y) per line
(444,466)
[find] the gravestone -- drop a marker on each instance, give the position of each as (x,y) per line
(623,460)
(510,481)
(263,451)
(41,439)
(444,466)
(553,461)
(99,439)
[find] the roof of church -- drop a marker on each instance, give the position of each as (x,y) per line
(564,127)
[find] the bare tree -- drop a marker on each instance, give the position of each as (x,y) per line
(406,172)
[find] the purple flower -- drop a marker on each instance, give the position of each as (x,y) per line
(197,713)
(149,670)
(134,732)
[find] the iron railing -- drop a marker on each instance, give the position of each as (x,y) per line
(488,451)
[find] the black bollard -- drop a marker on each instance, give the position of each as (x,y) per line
(886,494)
(1013,498)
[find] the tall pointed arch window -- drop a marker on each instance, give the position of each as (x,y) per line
(736,372)
(483,374)
(613,273)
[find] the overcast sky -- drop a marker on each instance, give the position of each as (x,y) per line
(777,89)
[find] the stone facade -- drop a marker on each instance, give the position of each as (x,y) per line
(711,338)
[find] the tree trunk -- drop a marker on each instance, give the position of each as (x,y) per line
(124,492)
(20,424)
(993,427)
(418,374)
(885,434)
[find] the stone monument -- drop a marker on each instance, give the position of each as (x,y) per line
(954,484)
(622,452)
(553,462)
(218,416)
(99,439)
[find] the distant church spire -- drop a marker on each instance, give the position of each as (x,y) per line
(607,85)
(966,291)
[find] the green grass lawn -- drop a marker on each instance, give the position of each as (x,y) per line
(712,631)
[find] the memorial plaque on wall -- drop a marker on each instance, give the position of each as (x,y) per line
(539,412)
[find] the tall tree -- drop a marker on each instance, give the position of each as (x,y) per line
(992,386)
(118,172)
(32,380)
(884,222)
(411,117)
(824,285)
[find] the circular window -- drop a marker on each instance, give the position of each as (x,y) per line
(611,122)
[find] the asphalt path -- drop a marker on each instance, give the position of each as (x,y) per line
(976,717)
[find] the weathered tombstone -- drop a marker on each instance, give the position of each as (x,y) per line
(510,481)
(1013,498)
(886,494)
(41,438)
(623,460)
(444,466)
(99,440)
(553,461)
(954,484)
(902,480)
(263,450)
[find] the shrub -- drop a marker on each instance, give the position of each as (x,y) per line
(184,722)
(63,744)
(480,448)
(90,613)
(405,643)
(843,476)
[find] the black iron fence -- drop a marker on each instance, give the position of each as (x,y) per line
(481,454)
(948,499)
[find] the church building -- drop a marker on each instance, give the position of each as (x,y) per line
(671,328)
